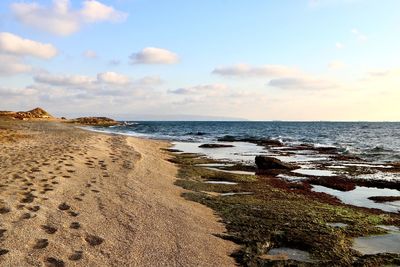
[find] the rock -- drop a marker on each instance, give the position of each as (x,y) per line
(269,142)
(94,121)
(334,182)
(37,113)
(326,149)
(197,133)
(254,140)
(214,145)
(395,164)
(227,138)
(265,163)
(381,199)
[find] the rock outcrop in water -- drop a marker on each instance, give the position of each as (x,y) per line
(267,164)
(214,146)
(254,140)
(94,121)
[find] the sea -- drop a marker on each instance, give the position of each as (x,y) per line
(376,144)
(372,141)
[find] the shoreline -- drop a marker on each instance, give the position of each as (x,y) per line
(77,197)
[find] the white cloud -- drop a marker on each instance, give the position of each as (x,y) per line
(153,55)
(339,45)
(94,11)
(359,35)
(11,92)
(112,78)
(149,81)
(245,70)
(302,83)
(13,44)
(90,54)
(208,89)
(11,65)
(60,19)
(64,80)
(336,65)
(103,83)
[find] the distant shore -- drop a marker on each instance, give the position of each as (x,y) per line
(74,197)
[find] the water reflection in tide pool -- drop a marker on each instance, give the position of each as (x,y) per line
(387,243)
(242,151)
(359,197)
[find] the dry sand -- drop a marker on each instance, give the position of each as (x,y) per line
(76,198)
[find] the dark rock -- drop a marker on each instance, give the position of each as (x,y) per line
(265,163)
(334,182)
(254,140)
(214,145)
(327,149)
(381,199)
(172,150)
(227,138)
(197,133)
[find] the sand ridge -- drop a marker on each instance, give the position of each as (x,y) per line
(70,197)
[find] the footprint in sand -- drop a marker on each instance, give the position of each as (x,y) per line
(64,206)
(94,240)
(26,216)
(49,229)
(73,213)
(2,231)
(34,208)
(41,243)
(4,210)
(29,198)
(76,256)
(3,251)
(75,225)
(54,262)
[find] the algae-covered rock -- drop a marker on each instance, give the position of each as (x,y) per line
(94,121)
(265,163)
(214,145)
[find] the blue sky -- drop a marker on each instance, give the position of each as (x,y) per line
(261,60)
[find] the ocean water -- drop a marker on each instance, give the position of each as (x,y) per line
(376,143)
(372,141)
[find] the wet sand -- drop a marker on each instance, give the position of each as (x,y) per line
(77,198)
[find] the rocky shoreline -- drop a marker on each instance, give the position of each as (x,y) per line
(278,208)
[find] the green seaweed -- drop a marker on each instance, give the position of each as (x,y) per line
(273,217)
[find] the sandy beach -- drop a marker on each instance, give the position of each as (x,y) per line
(70,197)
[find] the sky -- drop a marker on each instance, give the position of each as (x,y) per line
(335,60)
